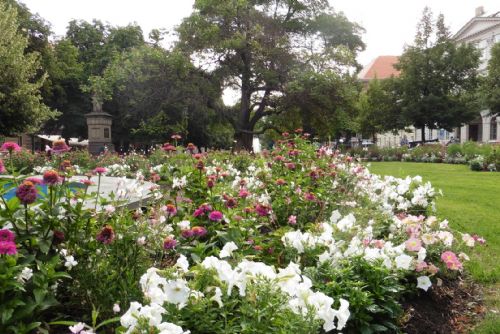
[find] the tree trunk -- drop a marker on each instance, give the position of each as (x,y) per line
(243,142)
(423,134)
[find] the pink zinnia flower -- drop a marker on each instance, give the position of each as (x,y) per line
(51,177)
(199,231)
(59,146)
(215,216)
(10,146)
(290,165)
(413,244)
(34,180)
(8,248)
(169,147)
(2,167)
(262,210)
(309,196)
(87,182)
(170,209)
(243,193)
(27,192)
(107,235)
(100,170)
(188,233)
(6,235)
(169,243)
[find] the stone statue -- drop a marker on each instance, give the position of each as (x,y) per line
(96,102)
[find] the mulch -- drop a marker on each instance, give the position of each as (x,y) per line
(454,307)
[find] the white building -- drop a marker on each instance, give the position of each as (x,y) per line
(483,31)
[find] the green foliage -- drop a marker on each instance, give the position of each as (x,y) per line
(373,293)
(250,45)
(490,88)
(438,78)
(21,104)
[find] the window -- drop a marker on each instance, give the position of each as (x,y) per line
(106,132)
(493,128)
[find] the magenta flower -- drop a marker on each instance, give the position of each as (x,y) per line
(169,243)
(6,235)
(170,209)
(199,231)
(59,146)
(188,233)
(215,216)
(10,146)
(100,170)
(27,193)
(243,193)
(2,167)
(34,180)
(107,235)
(8,248)
(262,210)
(51,177)
(169,148)
(292,220)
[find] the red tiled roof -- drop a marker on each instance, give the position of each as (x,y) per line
(381,68)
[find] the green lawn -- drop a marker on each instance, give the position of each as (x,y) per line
(471,203)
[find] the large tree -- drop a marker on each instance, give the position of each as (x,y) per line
(490,87)
(21,106)
(155,93)
(256,47)
(380,108)
(438,78)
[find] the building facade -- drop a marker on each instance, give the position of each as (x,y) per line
(483,31)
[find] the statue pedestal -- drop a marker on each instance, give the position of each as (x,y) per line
(99,132)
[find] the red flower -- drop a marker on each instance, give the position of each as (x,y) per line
(107,235)
(51,177)
(262,210)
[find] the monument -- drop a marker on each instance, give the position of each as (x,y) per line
(99,128)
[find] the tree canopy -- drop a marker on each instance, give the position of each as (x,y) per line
(21,106)
(438,78)
(258,47)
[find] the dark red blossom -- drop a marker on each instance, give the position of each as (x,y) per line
(169,243)
(107,235)
(51,177)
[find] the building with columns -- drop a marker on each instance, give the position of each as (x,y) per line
(483,30)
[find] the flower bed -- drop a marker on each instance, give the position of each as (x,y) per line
(299,239)
(479,157)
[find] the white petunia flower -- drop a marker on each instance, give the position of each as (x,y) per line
(424,283)
(25,275)
(403,261)
(227,250)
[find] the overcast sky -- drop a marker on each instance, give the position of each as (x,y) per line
(389,24)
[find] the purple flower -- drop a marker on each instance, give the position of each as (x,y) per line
(59,146)
(169,243)
(188,233)
(6,235)
(215,216)
(27,192)
(8,248)
(2,167)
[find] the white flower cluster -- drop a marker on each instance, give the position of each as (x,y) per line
(69,260)
(118,170)
(159,290)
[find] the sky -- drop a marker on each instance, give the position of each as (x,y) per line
(389,24)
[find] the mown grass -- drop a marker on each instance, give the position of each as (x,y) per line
(471,203)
